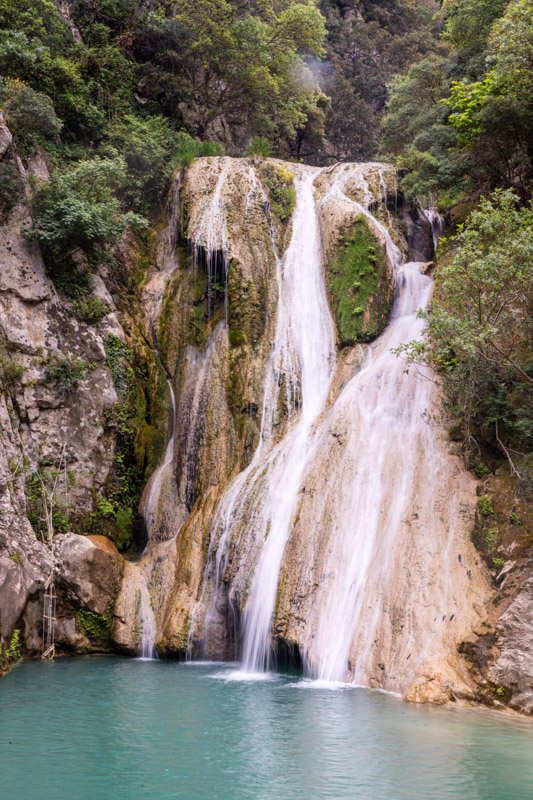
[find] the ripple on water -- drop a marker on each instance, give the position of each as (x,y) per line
(110,729)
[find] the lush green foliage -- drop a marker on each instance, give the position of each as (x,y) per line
(368,43)
(116,513)
(479,331)
(94,626)
(11,372)
(64,373)
(91,309)
(280,183)
(358,284)
(76,209)
(29,114)
(13,651)
(11,186)
(474,126)
(260,146)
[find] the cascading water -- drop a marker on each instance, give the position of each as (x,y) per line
(335,535)
(385,408)
(262,499)
(148,621)
(211,238)
(304,339)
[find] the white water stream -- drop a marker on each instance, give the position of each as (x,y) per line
(349,507)
(386,432)
(148,622)
(262,499)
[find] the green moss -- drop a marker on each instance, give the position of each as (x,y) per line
(485,506)
(237,338)
(11,652)
(282,194)
(360,290)
(115,515)
(94,626)
(245,308)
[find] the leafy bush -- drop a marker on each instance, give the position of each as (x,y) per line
(147,145)
(73,281)
(94,626)
(91,310)
(282,193)
(260,146)
(13,650)
(76,208)
(28,113)
(63,373)
(187,149)
(11,186)
(485,506)
(479,331)
(11,373)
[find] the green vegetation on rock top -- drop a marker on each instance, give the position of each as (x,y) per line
(359,284)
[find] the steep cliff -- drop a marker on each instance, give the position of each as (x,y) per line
(79,430)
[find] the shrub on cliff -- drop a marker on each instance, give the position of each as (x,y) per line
(479,331)
(77,209)
(27,112)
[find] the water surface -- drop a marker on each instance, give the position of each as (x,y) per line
(118,729)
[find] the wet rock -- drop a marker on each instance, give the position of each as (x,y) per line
(437,688)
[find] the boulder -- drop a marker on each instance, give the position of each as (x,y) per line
(89,569)
(514,668)
(18,581)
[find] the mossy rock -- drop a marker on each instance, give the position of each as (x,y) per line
(246,308)
(361,289)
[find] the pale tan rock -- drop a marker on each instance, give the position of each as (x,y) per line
(90,571)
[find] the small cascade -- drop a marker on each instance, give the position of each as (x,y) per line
(436,221)
(387,430)
(210,245)
(148,622)
(152,492)
(194,396)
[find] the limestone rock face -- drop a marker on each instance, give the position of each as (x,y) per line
(41,421)
(514,668)
(18,582)
(228,216)
(90,570)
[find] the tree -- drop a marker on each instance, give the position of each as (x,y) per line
(76,209)
(479,332)
(416,131)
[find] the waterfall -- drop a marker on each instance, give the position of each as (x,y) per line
(384,407)
(341,536)
(148,621)
(305,352)
(262,499)
(436,221)
(155,483)
(211,238)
